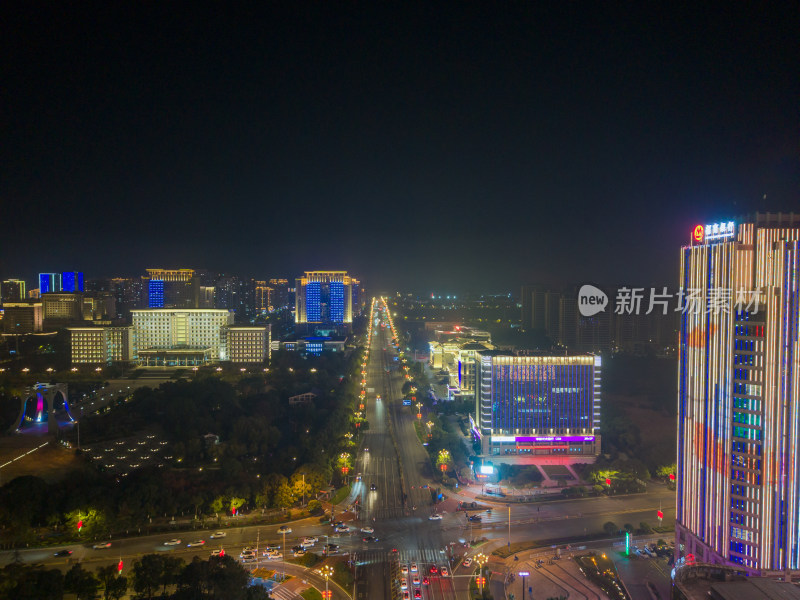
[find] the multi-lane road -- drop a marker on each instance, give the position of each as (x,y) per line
(393,461)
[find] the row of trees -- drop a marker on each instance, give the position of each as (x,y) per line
(152,576)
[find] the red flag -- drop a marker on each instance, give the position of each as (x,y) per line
(119,566)
(80,524)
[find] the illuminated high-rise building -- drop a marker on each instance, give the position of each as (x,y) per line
(172,288)
(324,302)
(72,281)
(529,406)
(264,297)
(738,480)
(281,292)
(12,290)
(49,282)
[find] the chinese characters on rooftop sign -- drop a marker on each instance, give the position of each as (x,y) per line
(712,233)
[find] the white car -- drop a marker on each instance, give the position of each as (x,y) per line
(102,545)
(174,542)
(367,530)
(467,562)
(444,572)
(218,534)
(197,543)
(274,556)
(284,529)
(404,569)
(219,552)
(309,540)
(342,529)
(435,517)
(415,580)
(414,568)
(298,553)
(404,584)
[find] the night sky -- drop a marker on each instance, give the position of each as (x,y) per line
(458,147)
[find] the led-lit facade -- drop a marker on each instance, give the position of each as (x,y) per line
(538,405)
(12,290)
(324,302)
(49,283)
(738,476)
(72,281)
(172,288)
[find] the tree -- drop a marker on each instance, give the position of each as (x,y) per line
(227,577)
(147,574)
(170,572)
(284,496)
(610,528)
(114,586)
(645,527)
(81,583)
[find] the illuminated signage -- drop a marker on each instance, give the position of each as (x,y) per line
(543,438)
(486,469)
(703,234)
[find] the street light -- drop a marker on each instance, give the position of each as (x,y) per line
(523,574)
(481,560)
(327,571)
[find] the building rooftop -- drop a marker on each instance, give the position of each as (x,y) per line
(755,588)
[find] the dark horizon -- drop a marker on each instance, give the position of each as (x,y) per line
(419,149)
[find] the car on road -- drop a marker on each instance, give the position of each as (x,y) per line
(218,534)
(369,538)
(173,542)
(102,545)
(373,487)
(404,569)
(445,572)
(414,568)
(415,580)
(434,570)
(467,562)
(63,553)
(342,529)
(196,543)
(297,552)
(358,477)
(426,581)
(406,595)
(367,449)
(417,593)
(367,530)
(219,552)
(337,523)
(274,556)
(284,529)
(404,584)
(475,518)
(435,517)
(332,547)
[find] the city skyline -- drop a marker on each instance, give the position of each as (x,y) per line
(262,140)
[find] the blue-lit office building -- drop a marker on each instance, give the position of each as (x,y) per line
(324,303)
(49,283)
(72,281)
(530,406)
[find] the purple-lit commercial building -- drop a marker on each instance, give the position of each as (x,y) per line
(530,406)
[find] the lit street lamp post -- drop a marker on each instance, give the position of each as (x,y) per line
(481,560)
(327,572)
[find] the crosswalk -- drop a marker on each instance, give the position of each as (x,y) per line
(420,556)
(283,593)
